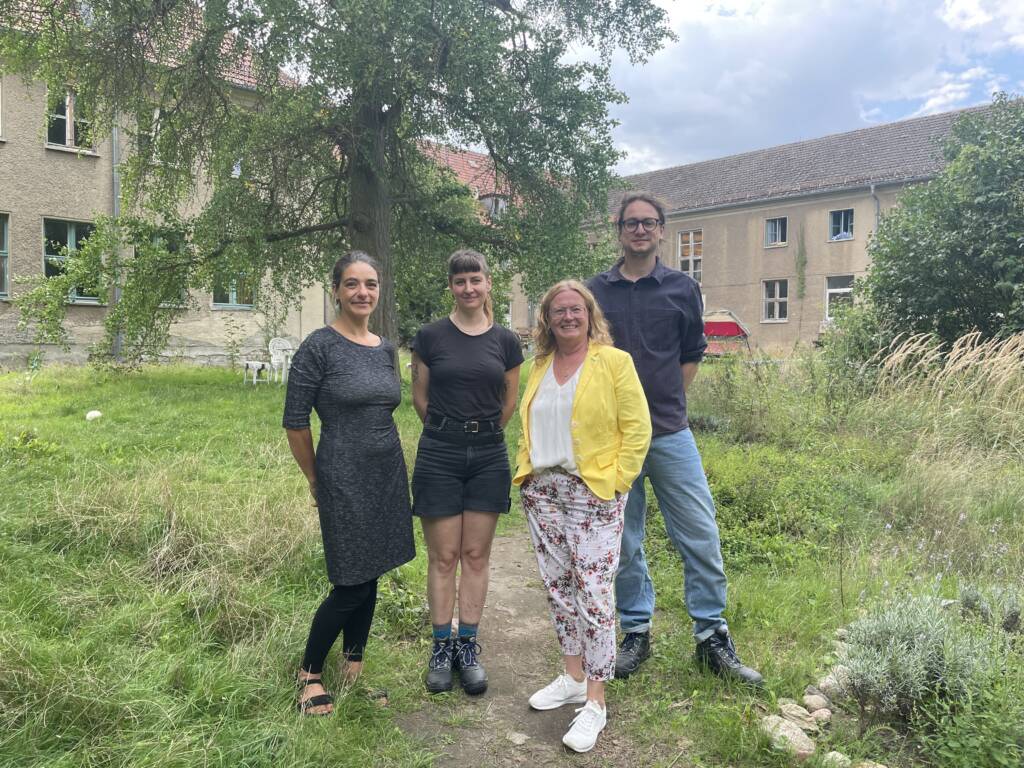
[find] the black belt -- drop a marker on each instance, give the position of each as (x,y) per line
(444,424)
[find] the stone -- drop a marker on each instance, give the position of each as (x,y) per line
(517,738)
(92,415)
(797,715)
(822,716)
(815,701)
(787,737)
(833,685)
(836,760)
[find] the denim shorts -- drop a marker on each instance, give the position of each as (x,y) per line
(450,478)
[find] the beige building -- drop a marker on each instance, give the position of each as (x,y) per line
(53,185)
(52,188)
(751,228)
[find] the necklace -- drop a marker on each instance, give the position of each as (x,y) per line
(483,328)
(565,366)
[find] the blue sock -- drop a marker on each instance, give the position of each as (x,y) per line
(467,630)
(442,632)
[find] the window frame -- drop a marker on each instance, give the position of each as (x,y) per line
(691,270)
(232,290)
(785,227)
(71,123)
(776,300)
(835,238)
(72,244)
(5,254)
(829,292)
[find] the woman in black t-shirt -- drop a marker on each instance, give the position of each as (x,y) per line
(465,380)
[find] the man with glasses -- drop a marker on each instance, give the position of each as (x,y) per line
(656,315)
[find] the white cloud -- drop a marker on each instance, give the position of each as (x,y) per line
(964,14)
(746,74)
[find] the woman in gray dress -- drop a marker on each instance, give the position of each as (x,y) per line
(357,475)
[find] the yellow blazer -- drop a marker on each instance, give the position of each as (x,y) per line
(611,426)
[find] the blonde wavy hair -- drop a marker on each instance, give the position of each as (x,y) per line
(597,326)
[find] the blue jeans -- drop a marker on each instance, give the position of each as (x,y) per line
(677,475)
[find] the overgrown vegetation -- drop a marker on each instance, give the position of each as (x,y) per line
(949,259)
(161,565)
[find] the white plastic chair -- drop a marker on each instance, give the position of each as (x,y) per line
(280,358)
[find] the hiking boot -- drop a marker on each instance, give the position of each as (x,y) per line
(590,720)
(635,648)
(439,669)
(718,654)
(564,690)
(471,673)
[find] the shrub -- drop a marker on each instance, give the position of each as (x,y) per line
(984,731)
(912,655)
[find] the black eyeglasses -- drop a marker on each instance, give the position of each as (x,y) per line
(649,225)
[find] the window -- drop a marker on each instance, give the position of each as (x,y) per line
(775,231)
(236,293)
(840,224)
(495,205)
(173,243)
(5,252)
(59,235)
(66,124)
(691,252)
(776,301)
(838,292)
(149,133)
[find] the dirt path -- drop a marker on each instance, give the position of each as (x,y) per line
(521,655)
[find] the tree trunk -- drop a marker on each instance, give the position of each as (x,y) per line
(369,205)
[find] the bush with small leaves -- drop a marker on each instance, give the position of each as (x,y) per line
(911,652)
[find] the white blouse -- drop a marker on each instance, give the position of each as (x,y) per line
(551,423)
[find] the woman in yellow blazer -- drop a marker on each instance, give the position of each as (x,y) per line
(586,430)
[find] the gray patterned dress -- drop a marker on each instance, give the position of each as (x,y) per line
(362,485)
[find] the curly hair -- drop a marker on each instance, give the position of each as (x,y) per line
(597,326)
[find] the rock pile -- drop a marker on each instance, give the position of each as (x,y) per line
(792,729)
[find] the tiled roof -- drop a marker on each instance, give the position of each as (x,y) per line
(894,152)
(474,169)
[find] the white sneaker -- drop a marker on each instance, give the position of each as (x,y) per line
(564,690)
(590,721)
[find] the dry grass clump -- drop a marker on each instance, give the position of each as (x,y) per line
(971,391)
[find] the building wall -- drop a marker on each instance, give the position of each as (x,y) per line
(736,261)
(38,181)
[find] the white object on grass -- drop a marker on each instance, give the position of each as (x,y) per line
(92,415)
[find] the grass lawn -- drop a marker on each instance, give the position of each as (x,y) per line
(161,564)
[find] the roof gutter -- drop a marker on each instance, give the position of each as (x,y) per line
(869,187)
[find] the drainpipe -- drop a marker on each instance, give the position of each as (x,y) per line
(878,207)
(115,166)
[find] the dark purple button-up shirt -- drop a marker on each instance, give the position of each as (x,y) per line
(659,321)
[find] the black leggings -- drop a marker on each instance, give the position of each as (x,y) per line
(348,610)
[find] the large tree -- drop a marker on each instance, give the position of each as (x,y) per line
(950,258)
(326,150)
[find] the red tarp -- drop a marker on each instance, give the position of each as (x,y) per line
(724,328)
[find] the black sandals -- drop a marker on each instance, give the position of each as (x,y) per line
(322,699)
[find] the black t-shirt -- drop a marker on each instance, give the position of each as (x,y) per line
(467,373)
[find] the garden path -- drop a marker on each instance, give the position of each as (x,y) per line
(521,655)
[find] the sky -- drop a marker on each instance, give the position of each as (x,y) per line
(748,74)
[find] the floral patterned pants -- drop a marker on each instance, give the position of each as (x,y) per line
(576,536)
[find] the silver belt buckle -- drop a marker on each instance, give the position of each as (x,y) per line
(471,426)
